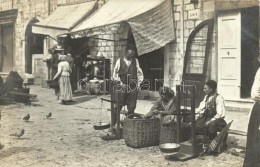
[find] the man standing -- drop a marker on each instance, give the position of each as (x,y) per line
(211,112)
(129,76)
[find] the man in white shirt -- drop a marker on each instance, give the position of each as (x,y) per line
(129,76)
(211,112)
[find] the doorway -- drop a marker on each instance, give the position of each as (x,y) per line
(249,49)
(6,47)
(152,65)
(33,45)
(237,54)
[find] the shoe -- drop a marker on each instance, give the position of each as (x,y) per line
(112,130)
(64,102)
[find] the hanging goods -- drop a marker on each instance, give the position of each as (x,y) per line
(99,124)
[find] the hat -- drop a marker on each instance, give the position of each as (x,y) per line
(130,47)
(59,47)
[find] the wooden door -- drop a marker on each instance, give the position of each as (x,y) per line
(229,55)
(196,57)
(7,48)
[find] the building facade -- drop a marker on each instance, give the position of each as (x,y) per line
(214,39)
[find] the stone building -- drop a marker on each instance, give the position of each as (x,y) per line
(212,39)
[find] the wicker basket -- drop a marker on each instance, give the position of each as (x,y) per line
(140,132)
(168,134)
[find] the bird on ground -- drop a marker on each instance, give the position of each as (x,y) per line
(48,115)
(1,146)
(20,134)
(26,117)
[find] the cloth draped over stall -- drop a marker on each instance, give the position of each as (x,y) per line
(151,22)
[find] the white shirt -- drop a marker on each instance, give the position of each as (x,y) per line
(220,106)
(140,75)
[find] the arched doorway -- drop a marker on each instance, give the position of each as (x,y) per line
(33,45)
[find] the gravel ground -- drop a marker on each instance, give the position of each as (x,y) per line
(68,138)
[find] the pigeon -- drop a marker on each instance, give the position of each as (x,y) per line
(1,146)
(20,134)
(48,115)
(26,117)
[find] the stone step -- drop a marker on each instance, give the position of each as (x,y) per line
(240,105)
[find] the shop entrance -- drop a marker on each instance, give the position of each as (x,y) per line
(238,46)
(33,45)
(152,65)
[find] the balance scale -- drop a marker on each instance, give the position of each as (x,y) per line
(191,148)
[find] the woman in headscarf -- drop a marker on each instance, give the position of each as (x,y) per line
(165,105)
(63,73)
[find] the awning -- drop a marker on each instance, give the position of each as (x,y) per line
(63,19)
(151,22)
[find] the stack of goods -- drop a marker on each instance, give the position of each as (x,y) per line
(14,81)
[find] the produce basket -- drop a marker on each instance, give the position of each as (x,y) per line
(53,83)
(140,132)
(168,134)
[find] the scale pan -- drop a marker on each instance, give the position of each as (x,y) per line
(101,126)
(169,147)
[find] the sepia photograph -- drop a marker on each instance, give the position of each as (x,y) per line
(129,83)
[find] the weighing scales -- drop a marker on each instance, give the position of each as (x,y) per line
(191,148)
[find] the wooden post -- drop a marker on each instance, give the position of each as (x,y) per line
(193,123)
(178,87)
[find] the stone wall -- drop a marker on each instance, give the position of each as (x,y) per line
(192,15)
(27,11)
(113,47)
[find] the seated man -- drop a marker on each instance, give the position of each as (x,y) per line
(211,112)
(165,105)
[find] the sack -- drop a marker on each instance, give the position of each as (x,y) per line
(168,120)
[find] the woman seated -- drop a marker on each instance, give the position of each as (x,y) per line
(165,106)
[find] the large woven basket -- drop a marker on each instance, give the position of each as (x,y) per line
(168,134)
(140,132)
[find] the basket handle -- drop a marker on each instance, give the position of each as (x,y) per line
(137,115)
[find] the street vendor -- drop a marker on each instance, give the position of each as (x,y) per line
(210,113)
(129,76)
(165,106)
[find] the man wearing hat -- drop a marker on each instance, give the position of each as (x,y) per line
(211,113)
(54,65)
(129,76)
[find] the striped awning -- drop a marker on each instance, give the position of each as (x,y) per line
(151,22)
(64,18)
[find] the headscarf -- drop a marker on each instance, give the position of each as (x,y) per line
(166,91)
